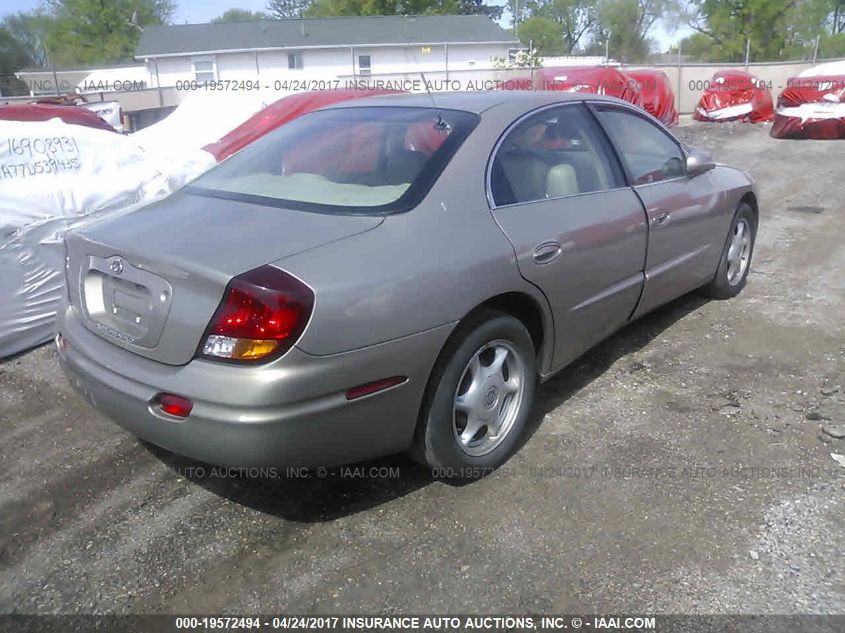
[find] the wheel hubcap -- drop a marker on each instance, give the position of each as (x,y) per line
(739,251)
(488,398)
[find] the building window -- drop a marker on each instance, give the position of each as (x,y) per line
(294,61)
(364,64)
(204,70)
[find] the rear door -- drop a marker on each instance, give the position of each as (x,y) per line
(578,231)
(683,212)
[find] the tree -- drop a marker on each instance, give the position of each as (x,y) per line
(240,15)
(573,18)
(100,31)
(832,45)
(837,18)
(327,8)
(21,45)
(624,25)
(521,59)
(286,9)
(544,34)
(13,57)
(773,29)
(30,29)
(697,46)
(476,7)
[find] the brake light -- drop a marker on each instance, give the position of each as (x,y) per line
(262,314)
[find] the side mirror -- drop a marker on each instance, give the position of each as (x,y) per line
(699,162)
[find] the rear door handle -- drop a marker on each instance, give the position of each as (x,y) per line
(660,219)
(546,252)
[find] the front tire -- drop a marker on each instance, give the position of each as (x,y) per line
(479,397)
(735,263)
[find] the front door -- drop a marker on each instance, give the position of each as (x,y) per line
(683,212)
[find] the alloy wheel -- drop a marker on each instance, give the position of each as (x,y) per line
(488,398)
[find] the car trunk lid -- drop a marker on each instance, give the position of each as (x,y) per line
(150,280)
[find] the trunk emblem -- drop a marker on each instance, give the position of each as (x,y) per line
(116,266)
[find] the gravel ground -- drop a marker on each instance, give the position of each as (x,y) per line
(680,467)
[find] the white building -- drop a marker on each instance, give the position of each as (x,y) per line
(320,48)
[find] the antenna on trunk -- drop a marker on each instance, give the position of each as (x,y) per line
(440,125)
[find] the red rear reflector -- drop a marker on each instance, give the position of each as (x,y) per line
(175,405)
(373,387)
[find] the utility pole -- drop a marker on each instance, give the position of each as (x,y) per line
(747,52)
(531,56)
(607,48)
(680,72)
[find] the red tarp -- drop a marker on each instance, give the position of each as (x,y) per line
(734,95)
(657,94)
(811,107)
(45,111)
(280,112)
(600,80)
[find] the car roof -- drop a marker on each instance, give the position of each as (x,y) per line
(476,102)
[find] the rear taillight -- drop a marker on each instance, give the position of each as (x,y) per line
(262,314)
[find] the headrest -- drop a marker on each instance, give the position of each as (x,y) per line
(561,180)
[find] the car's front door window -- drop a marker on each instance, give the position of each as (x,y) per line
(649,153)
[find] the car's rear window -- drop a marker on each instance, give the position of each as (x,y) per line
(344,160)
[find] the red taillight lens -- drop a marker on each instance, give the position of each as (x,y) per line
(174,405)
(262,314)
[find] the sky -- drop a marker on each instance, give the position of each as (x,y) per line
(192,11)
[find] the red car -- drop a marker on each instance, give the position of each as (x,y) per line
(734,95)
(811,107)
(601,80)
(658,96)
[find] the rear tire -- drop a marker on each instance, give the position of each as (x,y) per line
(735,263)
(478,398)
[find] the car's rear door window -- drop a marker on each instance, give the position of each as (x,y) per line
(554,153)
(344,160)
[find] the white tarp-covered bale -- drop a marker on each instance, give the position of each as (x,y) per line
(55,176)
(825,70)
(202,118)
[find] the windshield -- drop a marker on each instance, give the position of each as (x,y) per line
(344,160)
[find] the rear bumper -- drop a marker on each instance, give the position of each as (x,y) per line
(292,411)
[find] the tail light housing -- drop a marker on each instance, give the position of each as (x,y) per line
(261,316)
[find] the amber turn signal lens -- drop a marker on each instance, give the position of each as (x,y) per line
(249,349)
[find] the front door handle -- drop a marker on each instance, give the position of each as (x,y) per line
(546,252)
(660,219)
